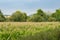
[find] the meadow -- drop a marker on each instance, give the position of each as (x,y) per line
(29,30)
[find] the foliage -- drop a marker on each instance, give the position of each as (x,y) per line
(39,16)
(56,15)
(2,18)
(18,16)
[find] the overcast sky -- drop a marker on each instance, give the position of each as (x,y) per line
(28,6)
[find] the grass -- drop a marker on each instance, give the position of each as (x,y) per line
(29,30)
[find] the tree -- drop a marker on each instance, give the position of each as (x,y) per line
(2,18)
(40,12)
(24,17)
(56,15)
(51,19)
(18,16)
(38,17)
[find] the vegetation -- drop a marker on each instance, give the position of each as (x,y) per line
(38,26)
(39,16)
(29,31)
(18,16)
(2,18)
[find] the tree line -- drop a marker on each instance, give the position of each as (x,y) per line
(39,16)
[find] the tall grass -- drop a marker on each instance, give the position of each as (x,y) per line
(30,31)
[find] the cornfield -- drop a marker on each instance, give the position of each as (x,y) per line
(29,30)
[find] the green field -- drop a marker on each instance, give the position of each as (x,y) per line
(29,31)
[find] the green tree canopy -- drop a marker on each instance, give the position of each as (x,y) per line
(2,18)
(56,15)
(39,16)
(18,16)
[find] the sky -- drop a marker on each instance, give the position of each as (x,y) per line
(28,6)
